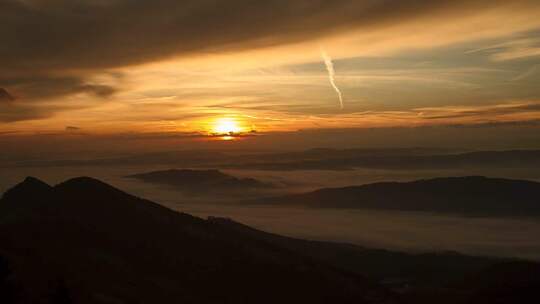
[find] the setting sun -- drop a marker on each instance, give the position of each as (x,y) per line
(227,126)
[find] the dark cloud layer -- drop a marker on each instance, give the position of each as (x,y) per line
(63,34)
(72,129)
(39,87)
(494,111)
(50,48)
(5,96)
(18,112)
(35,88)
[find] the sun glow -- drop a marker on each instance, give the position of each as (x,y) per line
(228,126)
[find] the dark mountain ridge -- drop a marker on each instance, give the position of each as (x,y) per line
(472,195)
(111,247)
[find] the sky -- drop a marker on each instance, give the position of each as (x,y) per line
(198,69)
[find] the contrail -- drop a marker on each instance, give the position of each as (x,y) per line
(331,74)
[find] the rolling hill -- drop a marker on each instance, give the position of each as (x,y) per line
(472,196)
(201,180)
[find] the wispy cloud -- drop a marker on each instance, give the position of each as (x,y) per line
(519,48)
(113,80)
(332,75)
(527,73)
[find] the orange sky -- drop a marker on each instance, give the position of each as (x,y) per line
(406,64)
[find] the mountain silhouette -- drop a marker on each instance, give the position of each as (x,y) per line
(437,277)
(473,195)
(511,282)
(84,241)
(112,247)
(197,180)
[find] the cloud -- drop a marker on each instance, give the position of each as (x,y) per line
(520,48)
(33,91)
(30,90)
(66,34)
(55,48)
(484,112)
(98,90)
(16,112)
(332,75)
(43,87)
(5,96)
(527,73)
(72,129)
(11,111)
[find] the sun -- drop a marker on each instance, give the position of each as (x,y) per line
(226,126)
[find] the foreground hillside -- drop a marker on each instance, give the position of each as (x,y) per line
(84,241)
(110,247)
(473,196)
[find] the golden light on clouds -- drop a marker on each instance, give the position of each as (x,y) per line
(393,64)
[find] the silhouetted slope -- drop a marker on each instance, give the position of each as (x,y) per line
(111,247)
(442,277)
(7,289)
(435,269)
(474,195)
(197,180)
(507,283)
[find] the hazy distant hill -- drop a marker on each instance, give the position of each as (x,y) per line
(200,180)
(474,195)
(111,247)
(394,159)
(317,159)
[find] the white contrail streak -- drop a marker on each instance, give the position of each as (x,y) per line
(331,75)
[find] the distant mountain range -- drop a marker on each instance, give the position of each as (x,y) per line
(92,243)
(473,196)
(392,159)
(318,159)
(201,180)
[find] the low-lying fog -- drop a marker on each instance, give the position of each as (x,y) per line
(411,231)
